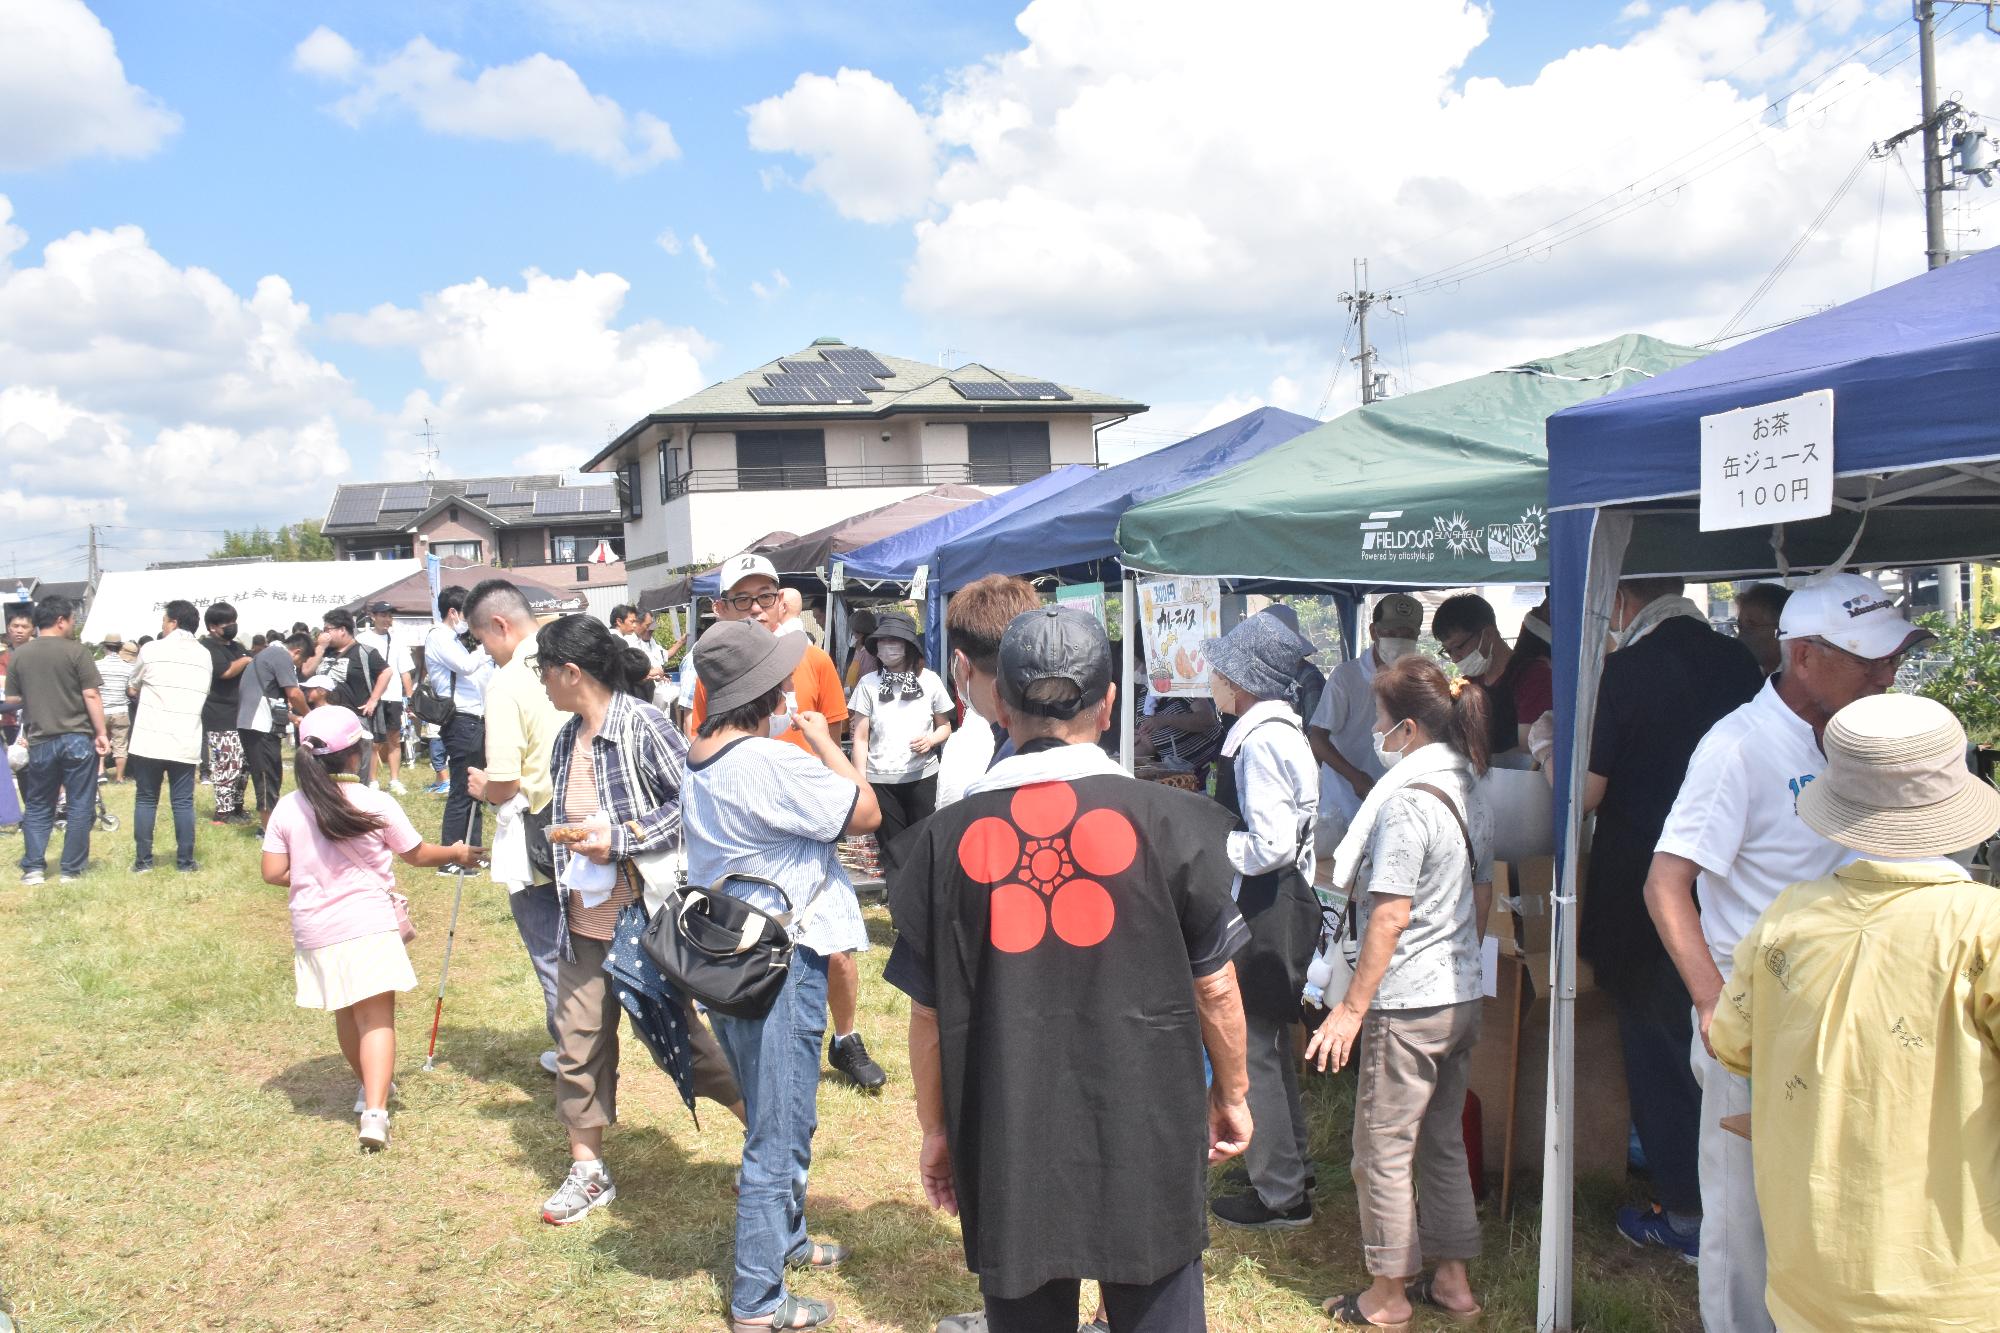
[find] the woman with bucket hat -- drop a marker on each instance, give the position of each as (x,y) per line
(761,808)
(1864,1008)
(901,719)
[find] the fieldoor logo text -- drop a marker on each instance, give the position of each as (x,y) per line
(1382,539)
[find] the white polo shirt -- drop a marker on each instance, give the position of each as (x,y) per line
(1737,818)
(1346,713)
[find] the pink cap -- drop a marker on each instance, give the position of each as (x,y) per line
(331,728)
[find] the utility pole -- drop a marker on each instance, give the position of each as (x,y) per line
(429,438)
(1358,302)
(93,556)
(1935,254)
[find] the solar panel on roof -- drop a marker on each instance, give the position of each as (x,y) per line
(985,391)
(414,496)
(858,358)
(503,499)
(799,381)
(597,499)
(1039,389)
(801,367)
(355,507)
(766,396)
(566,501)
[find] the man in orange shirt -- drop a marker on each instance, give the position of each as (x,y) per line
(750,592)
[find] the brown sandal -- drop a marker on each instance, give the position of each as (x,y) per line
(1424,1292)
(1345,1311)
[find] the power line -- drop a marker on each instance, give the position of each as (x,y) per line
(1798,246)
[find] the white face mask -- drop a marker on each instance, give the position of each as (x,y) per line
(1388,758)
(781,721)
(1474,664)
(892,653)
(1390,651)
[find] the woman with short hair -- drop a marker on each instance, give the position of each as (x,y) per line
(764,809)
(1424,839)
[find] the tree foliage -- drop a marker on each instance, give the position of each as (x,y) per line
(1962,672)
(294,541)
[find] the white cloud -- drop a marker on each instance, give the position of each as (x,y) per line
(769,292)
(536,100)
(871,151)
(542,369)
(1635,11)
(63,91)
(669,242)
(1163,170)
(701,253)
(139,390)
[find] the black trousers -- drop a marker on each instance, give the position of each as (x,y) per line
(465,749)
(904,804)
(264,765)
(1173,1304)
(1656,1029)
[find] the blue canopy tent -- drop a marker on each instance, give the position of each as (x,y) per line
(895,559)
(1916,456)
(1074,534)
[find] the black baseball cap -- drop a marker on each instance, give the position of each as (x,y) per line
(1054,643)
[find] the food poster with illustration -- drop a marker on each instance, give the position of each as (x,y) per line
(1177,616)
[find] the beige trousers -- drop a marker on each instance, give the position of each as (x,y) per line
(1411,1180)
(587,1016)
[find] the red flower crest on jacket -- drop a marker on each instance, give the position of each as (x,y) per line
(1045,862)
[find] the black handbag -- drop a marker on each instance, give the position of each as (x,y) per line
(731,956)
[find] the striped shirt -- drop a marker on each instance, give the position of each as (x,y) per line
(579,804)
(172,676)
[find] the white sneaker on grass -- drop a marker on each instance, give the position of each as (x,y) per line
(361,1097)
(587,1186)
(548,1062)
(374,1131)
(396,788)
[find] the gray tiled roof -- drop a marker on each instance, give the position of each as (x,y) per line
(391,506)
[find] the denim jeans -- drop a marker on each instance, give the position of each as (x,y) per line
(59,764)
(1656,1023)
(538,916)
(776,1062)
(146,777)
(465,743)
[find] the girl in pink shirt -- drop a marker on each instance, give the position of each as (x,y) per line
(332,843)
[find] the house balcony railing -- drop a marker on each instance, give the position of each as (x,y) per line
(818,478)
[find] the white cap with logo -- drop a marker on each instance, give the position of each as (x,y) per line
(740,567)
(1851,612)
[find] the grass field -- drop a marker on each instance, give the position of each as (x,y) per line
(180,1149)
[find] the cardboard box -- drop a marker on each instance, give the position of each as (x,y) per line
(1601,1115)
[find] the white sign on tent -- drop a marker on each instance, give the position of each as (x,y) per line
(1772,463)
(266,594)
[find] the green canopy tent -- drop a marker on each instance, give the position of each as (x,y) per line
(1438,489)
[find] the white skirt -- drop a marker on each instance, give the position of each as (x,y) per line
(335,976)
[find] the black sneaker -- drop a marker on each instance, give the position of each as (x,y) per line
(142,867)
(850,1057)
(1235,1178)
(1248,1211)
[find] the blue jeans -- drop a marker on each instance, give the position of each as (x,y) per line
(146,777)
(60,764)
(776,1062)
(538,916)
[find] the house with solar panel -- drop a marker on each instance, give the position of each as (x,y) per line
(532,524)
(826,433)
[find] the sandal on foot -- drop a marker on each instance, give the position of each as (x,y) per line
(793,1312)
(1424,1292)
(1345,1311)
(819,1254)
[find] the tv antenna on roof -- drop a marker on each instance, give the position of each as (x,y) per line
(430,452)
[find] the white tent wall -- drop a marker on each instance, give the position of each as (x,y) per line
(599,601)
(266,595)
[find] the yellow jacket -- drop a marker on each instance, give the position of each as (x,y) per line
(1865,1008)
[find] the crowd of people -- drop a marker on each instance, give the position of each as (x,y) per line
(1106,977)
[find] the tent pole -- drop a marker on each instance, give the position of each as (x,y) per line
(1128,607)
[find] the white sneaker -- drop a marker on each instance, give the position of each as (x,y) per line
(587,1186)
(548,1062)
(361,1098)
(373,785)
(374,1132)
(397,788)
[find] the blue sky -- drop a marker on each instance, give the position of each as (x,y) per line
(1158,199)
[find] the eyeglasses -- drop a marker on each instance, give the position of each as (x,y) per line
(1870,666)
(542,669)
(743,601)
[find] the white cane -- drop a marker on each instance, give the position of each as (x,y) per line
(444,972)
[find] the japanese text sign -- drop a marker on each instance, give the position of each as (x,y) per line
(1177,617)
(1772,463)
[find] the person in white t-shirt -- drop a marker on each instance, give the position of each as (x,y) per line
(385,725)
(901,718)
(1341,729)
(1734,841)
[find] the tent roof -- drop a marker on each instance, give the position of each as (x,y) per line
(895,559)
(1912,368)
(411,594)
(805,556)
(1079,526)
(1440,488)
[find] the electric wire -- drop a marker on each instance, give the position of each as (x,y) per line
(1798,246)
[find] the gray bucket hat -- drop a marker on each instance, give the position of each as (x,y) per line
(739,661)
(1262,655)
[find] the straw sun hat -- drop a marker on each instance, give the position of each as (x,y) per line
(1896,783)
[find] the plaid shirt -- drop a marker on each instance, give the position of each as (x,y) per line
(641,763)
